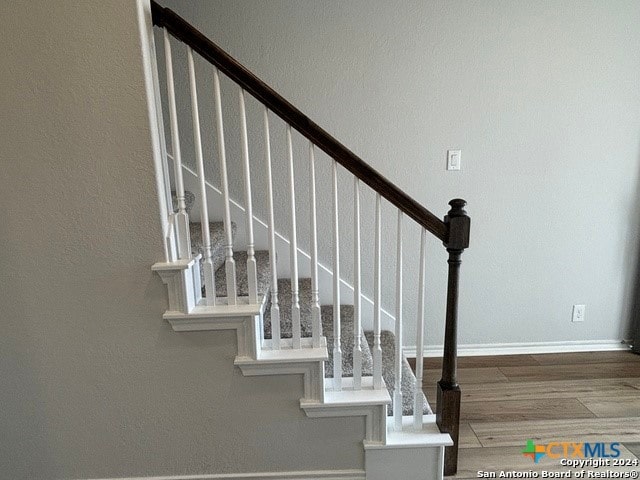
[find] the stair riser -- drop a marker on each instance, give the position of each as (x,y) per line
(313,378)
(423,463)
(374,416)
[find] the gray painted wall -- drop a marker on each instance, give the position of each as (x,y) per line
(543,99)
(94,383)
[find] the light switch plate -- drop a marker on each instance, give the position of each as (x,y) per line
(454,159)
(577,315)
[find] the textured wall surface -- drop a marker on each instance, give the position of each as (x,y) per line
(94,383)
(542,99)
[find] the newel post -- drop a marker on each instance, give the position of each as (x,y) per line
(448,399)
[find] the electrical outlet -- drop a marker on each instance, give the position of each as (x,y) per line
(578,313)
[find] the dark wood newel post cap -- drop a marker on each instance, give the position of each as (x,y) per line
(457,207)
(458,224)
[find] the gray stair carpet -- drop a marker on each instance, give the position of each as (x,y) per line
(216,231)
(387,341)
(388,344)
(326,315)
(242,284)
(189,199)
(347,325)
(284,302)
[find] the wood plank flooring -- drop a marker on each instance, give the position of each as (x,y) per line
(579,397)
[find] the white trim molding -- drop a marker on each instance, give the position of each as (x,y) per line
(305,475)
(524,348)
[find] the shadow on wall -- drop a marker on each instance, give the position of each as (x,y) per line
(633,247)
(634,312)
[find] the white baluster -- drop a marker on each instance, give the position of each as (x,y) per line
(181,218)
(337,348)
(209,274)
(397,392)
(377,297)
(163,182)
(295,297)
(275,308)
(357,289)
(252,270)
(316,324)
(418,402)
(229,264)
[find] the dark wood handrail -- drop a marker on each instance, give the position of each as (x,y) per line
(182,30)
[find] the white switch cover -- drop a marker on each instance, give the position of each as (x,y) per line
(454,158)
(578,313)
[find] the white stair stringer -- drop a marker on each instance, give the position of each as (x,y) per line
(366,402)
(307,361)
(244,318)
(388,453)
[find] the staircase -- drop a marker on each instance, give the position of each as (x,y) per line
(295,315)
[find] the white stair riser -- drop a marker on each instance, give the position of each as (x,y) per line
(374,416)
(248,343)
(407,463)
(313,375)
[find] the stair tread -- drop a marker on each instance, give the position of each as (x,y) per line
(216,232)
(288,354)
(346,336)
(408,385)
(284,302)
(366,395)
(409,437)
(346,331)
(326,315)
(242,281)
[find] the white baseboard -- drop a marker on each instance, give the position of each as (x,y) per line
(307,475)
(524,348)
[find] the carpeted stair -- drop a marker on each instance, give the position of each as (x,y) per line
(387,338)
(387,341)
(216,231)
(326,316)
(242,284)
(284,302)
(408,387)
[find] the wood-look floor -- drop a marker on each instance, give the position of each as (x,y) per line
(590,397)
